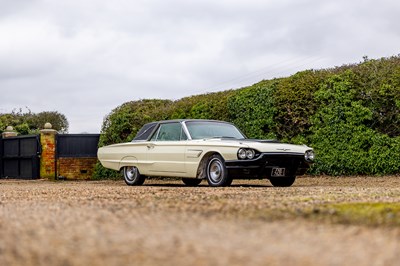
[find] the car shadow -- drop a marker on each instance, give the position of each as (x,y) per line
(207,186)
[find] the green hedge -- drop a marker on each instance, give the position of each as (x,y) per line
(25,123)
(350,115)
(343,135)
(253,110)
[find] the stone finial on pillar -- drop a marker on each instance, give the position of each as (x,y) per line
(9,132)
(48,126)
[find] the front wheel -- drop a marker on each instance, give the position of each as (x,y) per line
(132,176)
(217,175)
(282,181)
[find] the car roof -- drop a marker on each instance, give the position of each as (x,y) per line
(147,129)
(188,120)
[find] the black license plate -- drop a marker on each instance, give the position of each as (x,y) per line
(278,172)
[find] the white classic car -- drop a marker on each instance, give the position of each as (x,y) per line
(196,149)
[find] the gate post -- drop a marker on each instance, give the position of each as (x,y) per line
(48,158)
(9,132)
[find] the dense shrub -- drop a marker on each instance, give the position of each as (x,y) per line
(253,109)
(378,82)
(295,103)
(27,122)
(339,133)
(345,142)
(124,121)
(206,106)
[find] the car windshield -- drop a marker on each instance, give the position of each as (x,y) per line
(210,129)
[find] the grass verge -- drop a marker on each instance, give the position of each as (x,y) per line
(369,214)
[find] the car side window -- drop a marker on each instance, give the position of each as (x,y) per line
(169,132)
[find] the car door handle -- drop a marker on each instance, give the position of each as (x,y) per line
(150,146)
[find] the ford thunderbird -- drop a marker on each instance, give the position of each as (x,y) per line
(204,149)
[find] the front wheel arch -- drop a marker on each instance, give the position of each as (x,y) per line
(201,173)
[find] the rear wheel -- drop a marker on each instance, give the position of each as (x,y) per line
(282,181)
(191,182)
(217,175)
(132,176)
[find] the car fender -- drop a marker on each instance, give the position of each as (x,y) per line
(128,161)
(227,153)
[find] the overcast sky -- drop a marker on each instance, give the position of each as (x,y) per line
(83,58)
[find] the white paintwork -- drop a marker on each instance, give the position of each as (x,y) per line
(180,158)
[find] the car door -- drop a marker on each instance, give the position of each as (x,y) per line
(166,150)
(134,153)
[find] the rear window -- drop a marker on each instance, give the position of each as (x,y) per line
(145,131)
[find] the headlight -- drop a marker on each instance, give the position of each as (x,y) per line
(250,154)
(242,154)
(246,154)
(309,156)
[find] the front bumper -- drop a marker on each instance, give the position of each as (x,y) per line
(262,166)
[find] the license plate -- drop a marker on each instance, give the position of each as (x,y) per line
(278,172)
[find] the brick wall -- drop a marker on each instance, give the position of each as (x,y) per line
(76,168)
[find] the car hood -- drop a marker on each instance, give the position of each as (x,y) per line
(263,145)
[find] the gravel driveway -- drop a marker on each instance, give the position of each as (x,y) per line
(166,223)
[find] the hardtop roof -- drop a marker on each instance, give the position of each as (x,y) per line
(145,132)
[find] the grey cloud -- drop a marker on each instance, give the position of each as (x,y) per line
(90,56)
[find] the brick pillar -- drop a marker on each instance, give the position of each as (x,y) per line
(48,158)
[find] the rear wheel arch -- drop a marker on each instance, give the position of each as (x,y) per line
(127,161)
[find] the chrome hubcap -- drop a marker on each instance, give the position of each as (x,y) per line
(130,173)
(215,170)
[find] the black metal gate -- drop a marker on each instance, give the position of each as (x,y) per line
(20,157)
(77,145)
